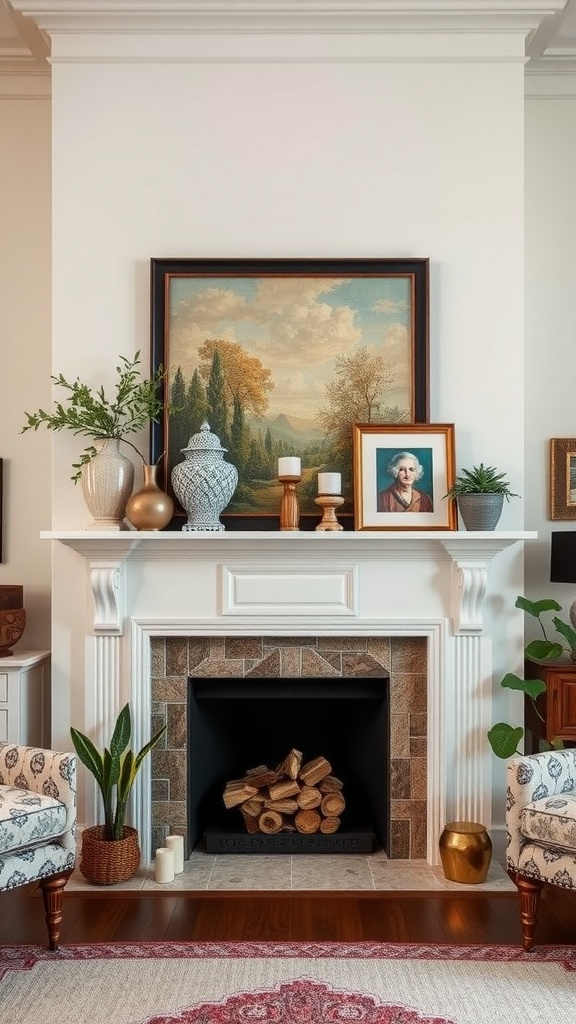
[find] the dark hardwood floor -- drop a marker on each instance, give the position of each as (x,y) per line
(337,917)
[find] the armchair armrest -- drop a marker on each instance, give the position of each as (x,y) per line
(531,778)
(48,772)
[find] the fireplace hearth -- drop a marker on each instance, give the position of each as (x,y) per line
(237,724)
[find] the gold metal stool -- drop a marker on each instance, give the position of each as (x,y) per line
(465,851)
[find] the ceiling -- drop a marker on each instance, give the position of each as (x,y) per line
(24,49)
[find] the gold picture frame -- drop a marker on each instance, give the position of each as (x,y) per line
(424,452)
(563,478)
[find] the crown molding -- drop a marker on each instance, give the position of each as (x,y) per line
(296,16)
(24,80)
(551,78)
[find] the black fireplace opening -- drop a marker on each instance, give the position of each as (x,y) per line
(235,724)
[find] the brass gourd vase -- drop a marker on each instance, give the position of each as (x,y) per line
(150,508)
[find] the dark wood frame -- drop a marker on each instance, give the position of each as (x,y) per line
(369,438)
(163,270)
(562,450)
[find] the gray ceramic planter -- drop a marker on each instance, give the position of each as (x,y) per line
(480,511)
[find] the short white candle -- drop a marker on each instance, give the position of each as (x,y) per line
(164,865)
(289,465)
(176,843)
(329,483)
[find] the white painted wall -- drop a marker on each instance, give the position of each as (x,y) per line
(550,375)
(297,160)
(25,338)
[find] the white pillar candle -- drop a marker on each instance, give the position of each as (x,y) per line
(176,844)
(329,483)
(164,865)
(289,465)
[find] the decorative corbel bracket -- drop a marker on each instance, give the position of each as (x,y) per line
(108,591)
(469,587)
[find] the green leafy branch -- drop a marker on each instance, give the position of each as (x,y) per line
(90,412)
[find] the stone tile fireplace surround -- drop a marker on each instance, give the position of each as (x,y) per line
(402,658)
(412,598)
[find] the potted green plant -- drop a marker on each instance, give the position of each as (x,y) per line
(111,852)
(504,738)
(480,493)
(107,475)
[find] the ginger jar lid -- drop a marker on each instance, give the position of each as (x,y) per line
(203,441)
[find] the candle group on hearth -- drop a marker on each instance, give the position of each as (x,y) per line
(169,859)
(329,483)
(289,465)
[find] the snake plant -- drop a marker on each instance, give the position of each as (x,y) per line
(114,769)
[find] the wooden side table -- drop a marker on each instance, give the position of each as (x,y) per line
(24,698)
(557,706)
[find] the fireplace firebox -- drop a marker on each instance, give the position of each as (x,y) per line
(236,724)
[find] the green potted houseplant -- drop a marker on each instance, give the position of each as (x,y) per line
(504,738)
(479,494)
(106,474)
(111,852)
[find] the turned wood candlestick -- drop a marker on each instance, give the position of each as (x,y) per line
(289,504)
(329,503)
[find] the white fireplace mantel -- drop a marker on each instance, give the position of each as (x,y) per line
(434,584)
(299,556)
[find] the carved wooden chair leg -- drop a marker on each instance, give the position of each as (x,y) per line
(53,896)
(529,890)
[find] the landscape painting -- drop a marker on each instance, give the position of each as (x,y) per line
(281,357)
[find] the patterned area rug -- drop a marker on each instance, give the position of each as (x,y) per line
(286,983)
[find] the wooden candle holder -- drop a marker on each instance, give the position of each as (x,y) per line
(329,503)
(289,504)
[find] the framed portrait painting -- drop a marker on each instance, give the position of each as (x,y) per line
(402,475)
(280,357)
(563,478)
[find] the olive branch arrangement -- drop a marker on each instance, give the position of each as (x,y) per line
(91,413)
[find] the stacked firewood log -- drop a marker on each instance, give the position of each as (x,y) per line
(293,797)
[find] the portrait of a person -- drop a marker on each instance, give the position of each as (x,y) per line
(402,495)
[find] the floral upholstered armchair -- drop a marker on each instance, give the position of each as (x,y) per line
(38,824)
(541,826)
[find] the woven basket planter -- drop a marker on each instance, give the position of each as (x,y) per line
(104,861)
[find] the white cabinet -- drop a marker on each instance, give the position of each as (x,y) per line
(24,698)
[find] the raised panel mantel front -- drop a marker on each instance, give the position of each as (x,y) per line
(257,572)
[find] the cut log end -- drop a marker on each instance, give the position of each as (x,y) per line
(270,822)
(307,822)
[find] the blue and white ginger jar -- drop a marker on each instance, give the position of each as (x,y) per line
(203,482)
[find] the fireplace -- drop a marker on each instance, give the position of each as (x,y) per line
(145,595)
(235,725)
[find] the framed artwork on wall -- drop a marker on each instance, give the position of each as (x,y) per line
(280,357)
(401,476)
(1,501)
(563,478)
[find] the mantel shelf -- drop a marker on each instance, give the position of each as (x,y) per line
(425,543)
